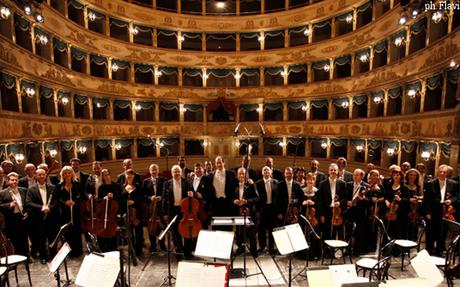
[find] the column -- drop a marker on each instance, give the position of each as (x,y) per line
(181,113)
(285,76)
(237,77)
(309,73)
(422,96)
(238,8)
(111,111)
(331,70)
(130,32)
(88,64)
(133,111)
(262,76)
(355,17)
(32,38)
(262,40)
(37,100)
(371,58)
(134,149)
(156,116)
(454,153)
(385,103)
(408,37)
(284,146)
(437,158)
(428,31)
(154,38)
(262,6)
(237,116)
(203,41)
(179,40)
(450,20)
(350,107)
(307,116)
(157,147)
(286,35)
(90,107)
(19,94)
(328,149)
(56,104)
(353,64)
(370,103)
(203,7)
(332,27)
(155,75)
(310,34)
(85,19)
(114,152)
(179,75)
(444,86)
(366,151)
(204,77)
(179,7)
(238,39)
(261,112)
(285,111)
(72,105)
(69,57)
(107,25)
(331,112)
(109,67)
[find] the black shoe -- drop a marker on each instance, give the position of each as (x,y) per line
(261,249)
(239,251)
(163,246)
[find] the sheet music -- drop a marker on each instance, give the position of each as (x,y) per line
(214,244)
(343,274)
(218,221)
(290,239)
(425,268)
(191,274)
(98,271)
(59,258)
(321,277)
(241,221)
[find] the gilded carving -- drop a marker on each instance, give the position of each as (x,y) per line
(320,12)
(191,24)
(58,76)
(80,38)
(120,10)
(168,21)
(381,77)
(273,21)
(205,60)
(249,24)
(111,48)
(113,88)
(149,93)
(330,49)
(181,59)
(9,57)
(440,54)
(333,88)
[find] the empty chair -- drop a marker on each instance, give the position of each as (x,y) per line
(448,264)
(407,245)
(10,261)
(333,246)
(376,266)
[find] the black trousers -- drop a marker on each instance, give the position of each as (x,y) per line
(436,233)
(43,233)
(16,231)
(268,221)
(250,235)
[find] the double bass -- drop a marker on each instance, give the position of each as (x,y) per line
(106,212)
(154,223)
(189,225)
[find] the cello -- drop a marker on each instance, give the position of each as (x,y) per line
(154,224)
(106,212)
(189,225)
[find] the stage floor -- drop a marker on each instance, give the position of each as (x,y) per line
(156,271)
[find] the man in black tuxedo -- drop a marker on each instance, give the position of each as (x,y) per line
(201,184)
(28,180)
(331,194)
(223,184)
(267,187)
(289,195)
(319,175)
(355,211)
(245,162)
(439,192)
(52,178)
(181,162)
(343,174)
(121,178)
(13,207)
(94,181)
(174,190)
(152,187)
(41,201)
(7,167)
(81,176)
(276,173)
(245,198)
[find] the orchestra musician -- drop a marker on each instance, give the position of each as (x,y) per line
(29,179)
(343,174)
(245,198)
(276,173)
(3,180)
(7,167)
(42,203)
(319,175)
(309,210)
(415,193)
(397,203)
(181,163)
(174,190)
(376,205)
(121,178)
(245,162)
(110,191)
(440,193)
(51,178)
(152,188)
(69,196)
(269,206)
(131,199)
(13,207)
(357,210)
(290,193)
(300,177)
(208,167)
(201,184)
(81,176)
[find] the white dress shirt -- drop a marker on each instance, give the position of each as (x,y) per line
(196,182)
(177,189)
(219,183)
(17,197)
(42,189)
(268,189)
(289,190)
(241,190)
(332,183)
(442,188)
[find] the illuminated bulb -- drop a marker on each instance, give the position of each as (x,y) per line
(237,143)
(411,93)
(220,4)
(364,58)
(283,73)
(349,18)
(114,67)
(159,73)
(118,146)
(390,151)
(426,155)
(258,109)
(205,76)
(205,143)
(98,105)
(359,148)
(183,110)
(39,17)
(91,16)
(30,92)
(182,38)
(326,68)
(137,107)
(260,38)
(53,153)
(82,149)
(19,157)
(43,39)
(28,10)
(345,105)
(5,12)
(436,17)
(134,31)
(378,99)
(162,144)
(415,13)
(453,64)
(403,20)
(281,144)
(324,145)
(306,32)
(305,107)
(237,76)
(399,41)
(64,101)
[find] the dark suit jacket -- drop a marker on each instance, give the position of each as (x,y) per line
(83,178)
(432,198)
(230,183)
(168,194)
(278,175)
(6,199)
(251,173)
(121,178)
(360,206)
(35,203)
(260,184)
(24,182)
(148,188)
(324,196)
(347,176)
(204,188)
(251,195)
(320,176)
(283,198)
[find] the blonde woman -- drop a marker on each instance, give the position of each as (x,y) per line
(68,190)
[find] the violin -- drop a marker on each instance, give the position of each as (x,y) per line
(392,213)
(106,225)
(190,225)
(154,224)
(448,210)
(292,214)
(310,214)
(336,214)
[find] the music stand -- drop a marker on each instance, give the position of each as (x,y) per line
(289,239)
(308,230)
(168,279)
(60,237)
(243,221)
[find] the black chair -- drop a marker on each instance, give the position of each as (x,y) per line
(10,261)
(405,246)
(333,246)
(448,264)
(376,266)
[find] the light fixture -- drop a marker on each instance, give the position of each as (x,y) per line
(183,110)
(98,105)
(426,155)
(134,30)
(378,99)
(28,10)
(345,104)
(91,16)
(205,76)
(364,58)
(39,17)
(403,18)
(399,41)
(281,144)
(412,93)
(205,143)
(391,151)
(305,107)
(453,64)
(158,73)
(260,38)
(53,152)
(118,146)
(162,144)
(221,4)
(259,109)
(237,76)
(283,73)
(182,38)
(19,157)
(436,16)
(137,107)
(237,143)
(5,12)
(306,32)
(42,39)
(349,18)
(326,68)
(415,13)
(29,92)
(114,67)
(64,100)
(82,149)
(324,145)
(360,148)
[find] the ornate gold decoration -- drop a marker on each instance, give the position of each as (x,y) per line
(8,56)
(113,88)
(58,76)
